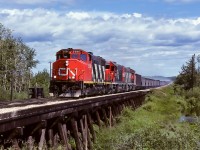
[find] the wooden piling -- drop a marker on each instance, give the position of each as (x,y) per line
(30,143)
(76,135)
(89,139)
(42,139)
(63,135)
(117,109)
(55,141)
(105,117)
(66,136)
(91,127)
(15,144)
(98,119)
(84,128)
(110,117)
(51,139)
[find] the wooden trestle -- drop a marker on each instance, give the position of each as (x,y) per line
(70,125)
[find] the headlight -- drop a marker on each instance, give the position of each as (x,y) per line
(67,63)
(54,77)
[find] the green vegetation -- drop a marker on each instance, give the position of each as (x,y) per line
(155,125)
(167,120)
(189,76)
(16,62)
(41,79)
(187,84)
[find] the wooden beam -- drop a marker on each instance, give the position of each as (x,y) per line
(114,113)
(98,119)
(89,140)
(55,123)
(74,126)
(30,143)
(66,136)
(91,127)
(117,109)
(15,144)
(55,141)
(105,117)
(42,139)
(120,108)
(16,132)
(40,125)
(84,132)
(51,139)
(110,117)
(133,104)
(63,135)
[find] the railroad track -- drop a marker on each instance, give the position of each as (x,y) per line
(25,102)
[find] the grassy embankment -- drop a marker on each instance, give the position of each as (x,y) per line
(156,124)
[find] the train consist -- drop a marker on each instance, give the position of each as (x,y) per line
(77,73)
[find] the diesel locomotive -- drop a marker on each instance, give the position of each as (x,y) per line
(78,73)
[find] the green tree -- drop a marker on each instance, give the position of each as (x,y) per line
(16,62)
(188,76)
(42,80)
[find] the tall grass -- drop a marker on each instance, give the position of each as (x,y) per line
(155,125)
(192,98)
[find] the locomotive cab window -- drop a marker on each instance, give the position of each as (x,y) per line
(75,56)
(107,66)
(66,55)
(59,56)
(83,57)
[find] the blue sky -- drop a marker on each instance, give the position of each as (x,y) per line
(155,37)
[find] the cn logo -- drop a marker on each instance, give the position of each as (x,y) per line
(67,71)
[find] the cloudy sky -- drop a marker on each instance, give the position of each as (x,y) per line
(155,37)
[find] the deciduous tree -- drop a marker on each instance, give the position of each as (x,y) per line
(16,62)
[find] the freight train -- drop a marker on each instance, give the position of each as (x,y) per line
(78,73)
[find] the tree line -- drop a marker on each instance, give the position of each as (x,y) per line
(189,77)
(16,63)
(187,85)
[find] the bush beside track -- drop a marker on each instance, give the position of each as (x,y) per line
(155,125)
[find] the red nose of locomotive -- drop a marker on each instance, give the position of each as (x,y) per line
(65,70)
(72,65)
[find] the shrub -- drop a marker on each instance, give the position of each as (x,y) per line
(195,92)
(4,95)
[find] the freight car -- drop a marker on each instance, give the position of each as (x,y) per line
(78,73)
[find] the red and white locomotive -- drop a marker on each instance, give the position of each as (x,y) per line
(78,73)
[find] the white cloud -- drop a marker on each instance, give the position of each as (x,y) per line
(130,39)
(78,15)
(137,15)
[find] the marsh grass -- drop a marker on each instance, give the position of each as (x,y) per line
(154,126)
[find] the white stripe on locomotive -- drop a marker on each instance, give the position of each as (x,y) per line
(96,72)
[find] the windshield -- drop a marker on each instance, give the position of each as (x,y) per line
(63,55)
